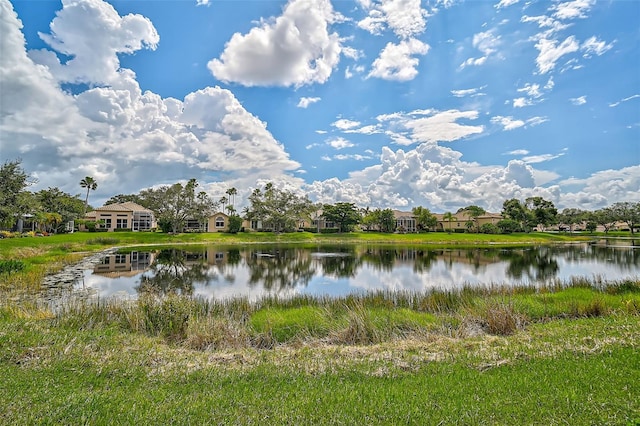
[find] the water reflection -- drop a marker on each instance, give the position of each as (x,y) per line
(254,271)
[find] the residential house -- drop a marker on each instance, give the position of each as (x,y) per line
(218,222)
(461,219)
(127,215)
(405,221)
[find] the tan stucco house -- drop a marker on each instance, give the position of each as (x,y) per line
(460,219)
(218,222)
(127,215)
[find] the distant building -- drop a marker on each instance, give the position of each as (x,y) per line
(127,215)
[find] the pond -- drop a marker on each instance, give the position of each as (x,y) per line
(254,271)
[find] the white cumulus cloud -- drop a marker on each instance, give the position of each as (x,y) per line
(294,49)
(397,61)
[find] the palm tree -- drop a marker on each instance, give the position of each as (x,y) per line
(448,216)
(231,192)
(224,200)
(91,185)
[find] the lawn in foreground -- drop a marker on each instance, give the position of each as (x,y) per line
(578,371)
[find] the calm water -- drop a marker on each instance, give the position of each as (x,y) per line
(219,272)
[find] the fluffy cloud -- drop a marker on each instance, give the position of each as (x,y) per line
(405,18)
(126,139)
(436,126)
(434,177)
(94,57)
(572,9)
(397,61)
(293,49)
(550,51)
(487,43)
(505,3)
(604,187)
(507,123)
(340,143)
(344,124)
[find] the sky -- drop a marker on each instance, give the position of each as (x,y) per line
(383,103)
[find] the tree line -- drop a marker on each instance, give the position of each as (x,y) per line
(282,210)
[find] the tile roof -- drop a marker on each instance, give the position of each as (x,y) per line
(123,207)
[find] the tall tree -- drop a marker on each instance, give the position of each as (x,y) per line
(370,218)
(232,192)
(91,185)
(223,202)
(425,220)
(605,217)
(571,217)
(13,197)
(627,212)
(54,200)
(449,217)
(544,212)
(14,200)
(278,209)
(387,220)
(515,210)
(346,215)
(174,204)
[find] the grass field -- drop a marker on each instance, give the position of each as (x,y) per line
(567,353)
(366,365)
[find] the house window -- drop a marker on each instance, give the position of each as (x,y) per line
(141,221)
(192,224)
(107,223)
(121,223)
(219,222)
(120,258)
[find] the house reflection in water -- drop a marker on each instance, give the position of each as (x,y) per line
(124,264)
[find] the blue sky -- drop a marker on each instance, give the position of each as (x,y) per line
(385,103)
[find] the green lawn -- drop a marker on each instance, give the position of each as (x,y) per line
(580,372)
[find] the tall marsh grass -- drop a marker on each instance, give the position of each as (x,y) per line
(359,319)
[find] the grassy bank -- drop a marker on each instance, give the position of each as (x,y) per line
(565,354)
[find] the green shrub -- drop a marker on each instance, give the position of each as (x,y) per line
(235,224)
(507,226)
(11,266)
(489,228)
